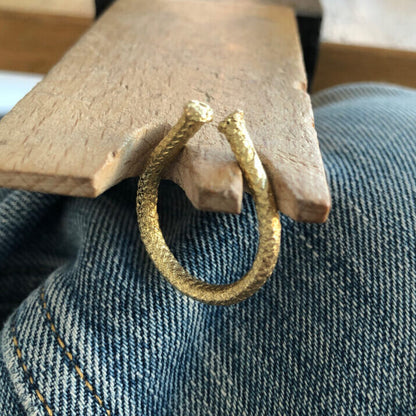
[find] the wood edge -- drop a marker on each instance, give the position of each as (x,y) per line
(305,210)
(301,203)
(51,184)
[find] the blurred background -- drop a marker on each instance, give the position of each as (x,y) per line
(343,40)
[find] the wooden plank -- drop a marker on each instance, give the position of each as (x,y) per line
(340,64)
(99,112)
(74,8)
(26,43)
(369,40)
(33,42)
(370,23)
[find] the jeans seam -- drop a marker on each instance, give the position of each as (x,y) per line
(26,371)
(69,355)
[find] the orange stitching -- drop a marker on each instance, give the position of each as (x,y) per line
(25,369)
(70,356)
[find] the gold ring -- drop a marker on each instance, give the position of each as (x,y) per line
(234,129)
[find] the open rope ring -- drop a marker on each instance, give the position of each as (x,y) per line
(234,129)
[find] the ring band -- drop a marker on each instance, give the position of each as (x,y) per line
(234,129)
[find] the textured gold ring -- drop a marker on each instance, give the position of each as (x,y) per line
(234,129)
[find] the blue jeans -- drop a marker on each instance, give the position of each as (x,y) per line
(97,330)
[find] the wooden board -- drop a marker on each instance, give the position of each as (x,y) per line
(369,40)
(76,8)
(381,24)
(339,64)
(34,42)
(99,112)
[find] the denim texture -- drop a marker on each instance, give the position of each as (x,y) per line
(333,332)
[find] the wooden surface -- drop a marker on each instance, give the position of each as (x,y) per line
(98,113)
(75,8)
(367,40)
(33,42)
(340,64)
(384,24)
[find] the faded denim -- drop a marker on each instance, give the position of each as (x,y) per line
(99,331)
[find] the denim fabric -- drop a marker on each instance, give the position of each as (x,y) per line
(333,332)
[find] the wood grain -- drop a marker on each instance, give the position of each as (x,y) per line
(99,112)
